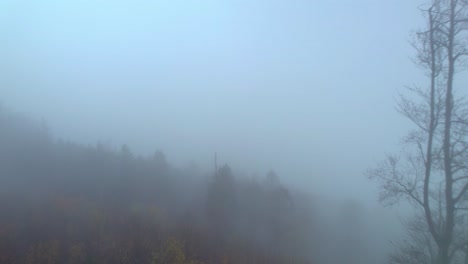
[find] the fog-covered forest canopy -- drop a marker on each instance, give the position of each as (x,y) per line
(63,202)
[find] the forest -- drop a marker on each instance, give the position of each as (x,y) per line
(63,202)
(69,203)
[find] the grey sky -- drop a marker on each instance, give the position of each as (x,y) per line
(303,87)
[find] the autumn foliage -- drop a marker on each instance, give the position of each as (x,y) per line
(62,202)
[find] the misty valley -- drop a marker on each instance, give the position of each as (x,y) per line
(233,132)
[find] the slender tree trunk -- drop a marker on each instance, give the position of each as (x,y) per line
(449,203)
(428,165)
(444,252)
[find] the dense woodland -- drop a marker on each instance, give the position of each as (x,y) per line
(63,202)
(69,203)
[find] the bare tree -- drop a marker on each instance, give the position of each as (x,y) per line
(432,170)
(417,246)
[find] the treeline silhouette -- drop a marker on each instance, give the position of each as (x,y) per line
(62,202)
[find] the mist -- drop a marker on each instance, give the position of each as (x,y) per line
(296,98)
(247,79)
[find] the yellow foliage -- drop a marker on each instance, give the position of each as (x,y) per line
(44,253)
(171,253)
(77,254)
(123,253)
(224,260)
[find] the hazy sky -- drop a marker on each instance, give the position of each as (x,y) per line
(304,87)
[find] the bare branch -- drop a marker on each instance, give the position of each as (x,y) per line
(461,193)
(460,178)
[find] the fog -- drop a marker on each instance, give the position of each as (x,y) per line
(303,88)
(268,85)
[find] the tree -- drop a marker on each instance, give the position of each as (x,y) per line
(417,246)
(432,171)
(221,206)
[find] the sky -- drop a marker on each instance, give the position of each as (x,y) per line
(306,88)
